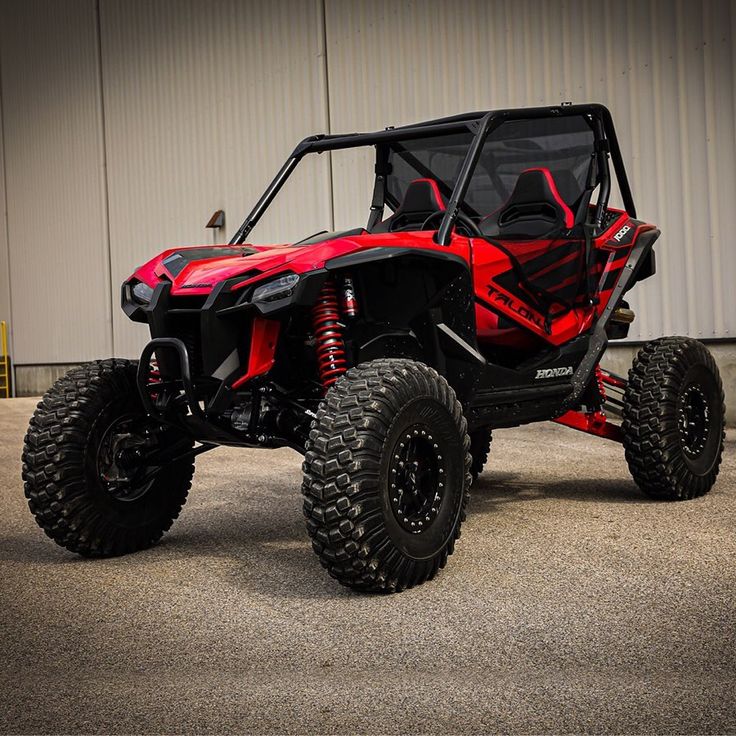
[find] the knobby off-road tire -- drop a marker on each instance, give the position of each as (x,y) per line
(673,419)
(480,446)
(387,475)
(62,458)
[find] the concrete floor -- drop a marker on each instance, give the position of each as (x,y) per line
(572,604)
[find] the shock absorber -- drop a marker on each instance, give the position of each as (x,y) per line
(328,334)
(600,383)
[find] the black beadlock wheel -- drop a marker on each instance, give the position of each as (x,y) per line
(674,419)
(93,465)
(480,447)
(386,475)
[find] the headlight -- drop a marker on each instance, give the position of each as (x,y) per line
(142,293)
(277,289)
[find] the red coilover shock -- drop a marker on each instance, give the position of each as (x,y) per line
(328,335)
(600,382)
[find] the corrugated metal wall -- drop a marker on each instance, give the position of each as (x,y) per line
(190,106)
(203,102)
(52,129)
(666,70)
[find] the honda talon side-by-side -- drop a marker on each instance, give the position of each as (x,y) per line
(480,294)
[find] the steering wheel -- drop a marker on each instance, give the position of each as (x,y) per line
(462,223)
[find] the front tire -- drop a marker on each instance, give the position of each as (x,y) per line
(674,419)
(85,482)
(387,475)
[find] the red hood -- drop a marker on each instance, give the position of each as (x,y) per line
(195,270)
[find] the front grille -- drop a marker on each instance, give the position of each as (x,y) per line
(187,329)
(194,302)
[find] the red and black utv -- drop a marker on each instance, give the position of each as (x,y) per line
(481,294)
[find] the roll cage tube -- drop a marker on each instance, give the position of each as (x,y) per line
(479,123)
(483,127)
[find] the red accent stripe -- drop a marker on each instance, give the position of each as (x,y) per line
(574,256)
(569,217)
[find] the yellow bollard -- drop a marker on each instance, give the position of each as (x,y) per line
(4,362)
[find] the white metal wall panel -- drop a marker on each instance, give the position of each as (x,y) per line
(666,69)
(5,311)
(203,103)
(55,184)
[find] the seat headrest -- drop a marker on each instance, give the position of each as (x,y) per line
(422,195)
(421,198)
(534,208)
(538,186)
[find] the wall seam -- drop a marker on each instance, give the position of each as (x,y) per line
(105,182)
(328,113)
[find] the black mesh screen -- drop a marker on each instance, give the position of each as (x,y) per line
(563,145)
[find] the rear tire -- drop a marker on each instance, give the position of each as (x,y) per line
(674,419)
(386,476)
(81,500)
(480,447)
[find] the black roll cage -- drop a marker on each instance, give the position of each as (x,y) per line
(480,124)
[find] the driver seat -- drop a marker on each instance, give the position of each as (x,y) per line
(421,199)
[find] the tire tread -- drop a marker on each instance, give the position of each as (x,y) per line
(54,457)
(651,440)
(341,472)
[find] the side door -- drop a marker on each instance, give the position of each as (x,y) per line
(527,290)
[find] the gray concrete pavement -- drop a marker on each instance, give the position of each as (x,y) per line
(572,604)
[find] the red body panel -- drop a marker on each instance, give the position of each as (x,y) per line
(200,277)
(263,349)
(504,315)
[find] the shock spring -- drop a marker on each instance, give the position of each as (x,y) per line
(328,334)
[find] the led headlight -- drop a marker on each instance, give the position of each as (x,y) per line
(279,288)
(142,293)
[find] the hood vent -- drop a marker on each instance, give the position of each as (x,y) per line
(176,262)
